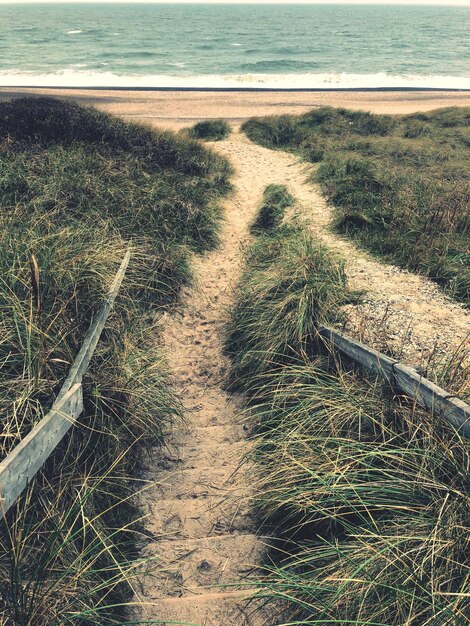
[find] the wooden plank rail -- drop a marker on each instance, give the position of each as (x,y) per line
(404,378)
(27,458)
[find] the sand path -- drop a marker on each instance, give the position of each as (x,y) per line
(205,533)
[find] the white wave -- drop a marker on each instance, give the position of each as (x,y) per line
(74,32)
(236,44)
(80,78)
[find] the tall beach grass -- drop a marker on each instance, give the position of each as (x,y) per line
(76,186)
(367,495)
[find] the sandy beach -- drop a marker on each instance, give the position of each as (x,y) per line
(176,109)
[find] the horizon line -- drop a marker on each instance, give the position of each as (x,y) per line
(454,3)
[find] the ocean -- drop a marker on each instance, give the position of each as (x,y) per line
(242,46)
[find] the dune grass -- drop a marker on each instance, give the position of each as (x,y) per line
(284,294)
(76,186)
(276,199)
(399,184)
(367,495)
(210,130)
(371,498)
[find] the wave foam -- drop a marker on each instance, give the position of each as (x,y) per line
(79,78)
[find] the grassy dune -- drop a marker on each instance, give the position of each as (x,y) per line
(368,495)
(76,186)
(399,184)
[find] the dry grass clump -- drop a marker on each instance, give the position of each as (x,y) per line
(367,495)
(285,293)
(399,183)
(75,187)
(210,130)
(276,199)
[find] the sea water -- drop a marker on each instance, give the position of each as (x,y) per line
(256,46)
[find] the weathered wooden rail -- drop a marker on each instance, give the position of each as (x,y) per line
(27,458)
(403,378)
(22,464)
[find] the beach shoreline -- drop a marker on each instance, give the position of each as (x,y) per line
(240,89)
(178,108)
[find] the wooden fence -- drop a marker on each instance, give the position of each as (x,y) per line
(22,464)
(26,459)
(403,378)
